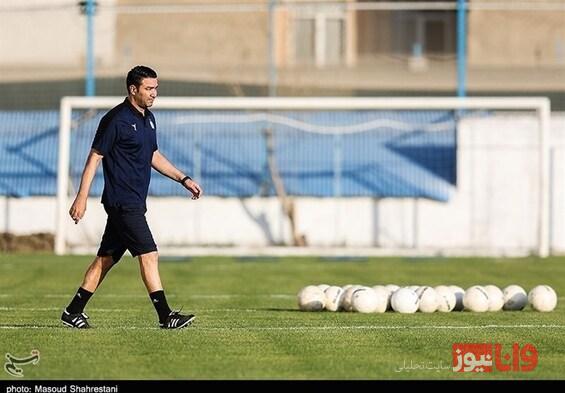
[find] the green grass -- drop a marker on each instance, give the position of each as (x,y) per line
(248,325)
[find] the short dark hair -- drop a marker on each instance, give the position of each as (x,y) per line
(137,74)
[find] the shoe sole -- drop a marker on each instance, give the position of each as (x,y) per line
(73,326)
(187,323)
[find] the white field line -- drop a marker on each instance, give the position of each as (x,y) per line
(197,296)
(312,328)
(388,327)
(122,309)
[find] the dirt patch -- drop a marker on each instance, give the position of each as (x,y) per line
(25,243)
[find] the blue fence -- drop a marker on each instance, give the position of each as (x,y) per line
(321,154)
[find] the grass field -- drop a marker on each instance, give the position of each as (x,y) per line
(248,325)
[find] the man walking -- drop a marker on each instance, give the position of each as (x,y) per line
(126,143)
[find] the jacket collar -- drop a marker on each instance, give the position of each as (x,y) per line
(135,110)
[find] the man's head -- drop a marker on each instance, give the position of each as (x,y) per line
(142,85)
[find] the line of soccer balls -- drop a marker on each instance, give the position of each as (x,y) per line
(407,300)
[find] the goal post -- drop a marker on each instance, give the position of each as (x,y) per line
(538,105)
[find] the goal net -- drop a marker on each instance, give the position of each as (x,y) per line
(357,175)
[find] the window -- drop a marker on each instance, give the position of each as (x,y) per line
(319,37)
(305,41)
(428,32)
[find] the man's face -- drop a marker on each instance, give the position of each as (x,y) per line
(145,94)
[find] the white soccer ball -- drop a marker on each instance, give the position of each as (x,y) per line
(495,297)
(364,300)
(384,298)
(428,299)
(405,301)
(445,298)
(543,298)
(476,299)
(515,298)
(323,287)
(379,287)
(391,288)
(347,297)
(346,302)
(345,288)
(311,298)
(459,293)
(334,295)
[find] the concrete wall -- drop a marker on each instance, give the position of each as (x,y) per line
(45,40)
(34,34)
(190,39)
(527,39)
(493,208)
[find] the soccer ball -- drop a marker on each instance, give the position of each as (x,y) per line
(379,287)
(476,299)
(445,298)
(543,298)
(459,293)
(323,287)
(428,299)
(383,295)
(364,300)
(515,298)
(347,297)
(311,298)
(405,301)
(495,297)
(333,298)
(391,288)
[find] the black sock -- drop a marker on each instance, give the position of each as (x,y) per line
(79,301)
(160,302)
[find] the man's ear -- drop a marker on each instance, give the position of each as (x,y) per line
(132,89)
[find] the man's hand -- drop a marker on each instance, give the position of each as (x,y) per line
(193,187)
(79,205)
(78,209)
